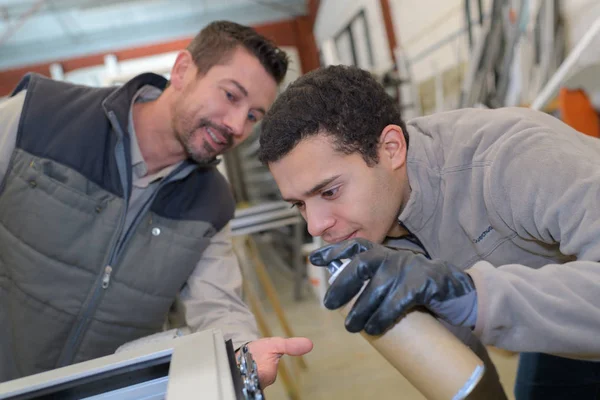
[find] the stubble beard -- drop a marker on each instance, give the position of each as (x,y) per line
(209,153)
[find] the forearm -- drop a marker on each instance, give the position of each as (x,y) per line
(212,297)
(544,185)
(554,309)
(236,323)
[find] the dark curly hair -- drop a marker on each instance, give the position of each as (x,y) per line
(215,43)
(344,102)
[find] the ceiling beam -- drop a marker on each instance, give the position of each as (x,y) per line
(136,34)
(12,28)
(284,33)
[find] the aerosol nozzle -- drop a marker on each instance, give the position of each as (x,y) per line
(335,267)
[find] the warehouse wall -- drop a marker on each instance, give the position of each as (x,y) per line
(432,34)
(420,24)
(334,15)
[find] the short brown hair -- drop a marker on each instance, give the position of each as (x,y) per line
(215,43)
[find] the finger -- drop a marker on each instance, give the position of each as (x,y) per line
(390,310)
(338,251)
(320,257)
(351,279)
(368,303)
(347,285)
(378,324)
(384,318)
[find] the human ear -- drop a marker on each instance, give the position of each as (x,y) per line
(184,63)
(392,146)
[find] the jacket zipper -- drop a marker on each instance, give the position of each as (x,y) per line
(67,356)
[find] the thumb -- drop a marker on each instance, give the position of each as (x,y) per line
(297,346)
(267,352)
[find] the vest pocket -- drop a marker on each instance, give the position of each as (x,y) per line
(162,254)
(66,185)
(55,219)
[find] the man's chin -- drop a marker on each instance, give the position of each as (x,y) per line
(202,159)
(204,156)
(207,156)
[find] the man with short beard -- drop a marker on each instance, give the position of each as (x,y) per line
(113,215)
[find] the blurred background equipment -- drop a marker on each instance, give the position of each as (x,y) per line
(430,55)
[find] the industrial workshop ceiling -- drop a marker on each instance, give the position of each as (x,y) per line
(36,31)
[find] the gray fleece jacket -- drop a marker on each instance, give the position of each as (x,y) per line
(513,197)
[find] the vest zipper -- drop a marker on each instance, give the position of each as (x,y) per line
(106,277)
(91,303)
(68,354)
(90,306)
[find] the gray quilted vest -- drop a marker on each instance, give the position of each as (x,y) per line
(70,290)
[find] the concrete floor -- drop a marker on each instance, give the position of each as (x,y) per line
(344,365)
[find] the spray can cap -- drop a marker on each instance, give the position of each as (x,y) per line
(335,267)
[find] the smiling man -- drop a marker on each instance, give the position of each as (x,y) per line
(113,216)
(489,218)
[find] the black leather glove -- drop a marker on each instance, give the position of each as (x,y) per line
(399,281)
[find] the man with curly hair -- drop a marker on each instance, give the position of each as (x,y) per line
(488,218)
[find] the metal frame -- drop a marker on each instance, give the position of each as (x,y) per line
(347,30)
(273,215)
(191,366)
(566,68)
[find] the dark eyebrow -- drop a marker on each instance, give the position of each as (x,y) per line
(239,86)
(245,93)
(318,187)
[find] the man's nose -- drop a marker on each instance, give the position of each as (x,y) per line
(318,222)
(236,122)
